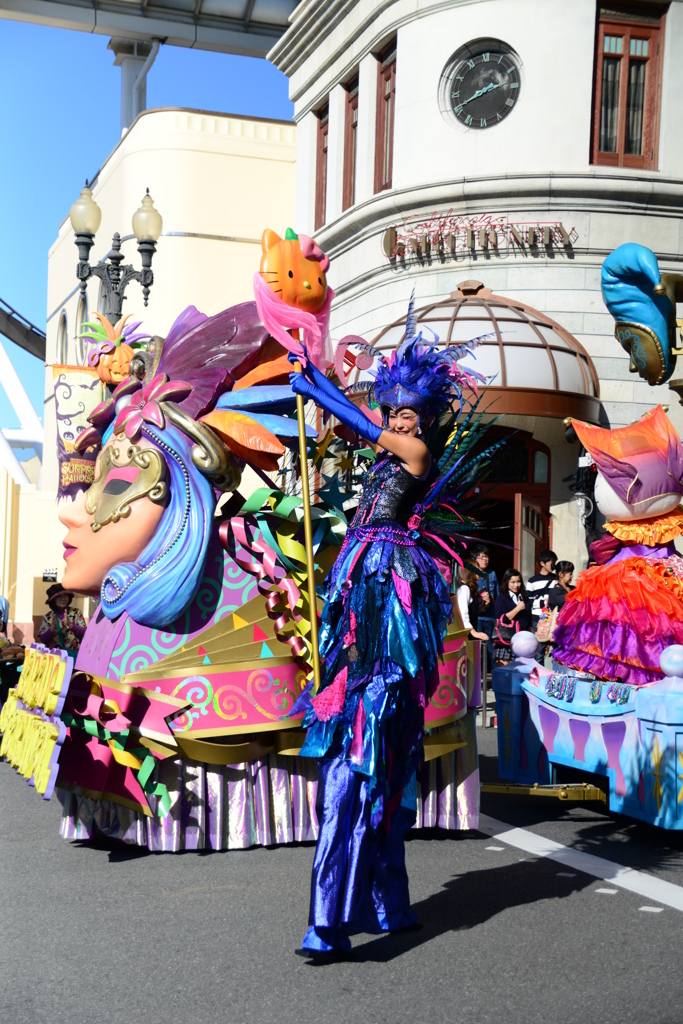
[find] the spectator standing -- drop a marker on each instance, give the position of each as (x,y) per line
(487,585)
(511,612)
(62,626)
(558,595)
(539,585)
(467,596)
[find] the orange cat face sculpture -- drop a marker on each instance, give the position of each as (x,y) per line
(297,280)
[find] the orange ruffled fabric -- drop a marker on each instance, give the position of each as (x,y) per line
(652,532)
(640,582)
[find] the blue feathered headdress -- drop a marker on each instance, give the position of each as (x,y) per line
(420,375)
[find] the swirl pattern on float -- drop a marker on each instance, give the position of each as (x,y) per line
(200,692)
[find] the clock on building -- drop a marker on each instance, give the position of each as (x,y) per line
(484,83)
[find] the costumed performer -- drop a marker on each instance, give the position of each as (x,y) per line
(628,607)
(386,610)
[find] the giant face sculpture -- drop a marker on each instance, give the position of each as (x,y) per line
(117,517)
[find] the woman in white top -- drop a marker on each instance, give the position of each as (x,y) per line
(467,595)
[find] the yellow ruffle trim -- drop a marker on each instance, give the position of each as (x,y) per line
(659,530)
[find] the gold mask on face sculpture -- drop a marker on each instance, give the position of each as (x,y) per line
(141,474)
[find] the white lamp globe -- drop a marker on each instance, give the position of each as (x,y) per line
(147,222)
(85,214)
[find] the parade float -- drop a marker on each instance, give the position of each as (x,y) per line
(174,729)
(611,713)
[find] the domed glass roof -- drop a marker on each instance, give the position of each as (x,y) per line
(520,348)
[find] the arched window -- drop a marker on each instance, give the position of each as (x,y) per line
(81,319)
(62,340)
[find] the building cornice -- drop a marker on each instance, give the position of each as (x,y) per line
(314,20)
(596,190)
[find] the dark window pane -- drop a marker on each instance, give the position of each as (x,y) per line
(510,465)
(609,112)
(634,108)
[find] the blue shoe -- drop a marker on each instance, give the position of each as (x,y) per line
(325,943)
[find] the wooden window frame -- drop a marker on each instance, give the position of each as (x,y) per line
(322,134)
(384,132)
(350,145)
(627,26)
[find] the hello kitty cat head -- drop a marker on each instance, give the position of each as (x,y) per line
(292,296)
(294,267)
(640,467)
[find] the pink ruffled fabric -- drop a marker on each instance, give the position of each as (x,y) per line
(620,633)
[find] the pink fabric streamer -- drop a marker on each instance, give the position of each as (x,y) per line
(277,317)
(331,701)
(356,748)
(405,594)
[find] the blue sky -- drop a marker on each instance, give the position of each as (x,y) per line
(59,118)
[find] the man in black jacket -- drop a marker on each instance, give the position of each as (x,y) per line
(537,588)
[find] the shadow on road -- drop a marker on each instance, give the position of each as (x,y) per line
(467,901)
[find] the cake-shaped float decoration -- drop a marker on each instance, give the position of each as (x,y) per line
(628,607)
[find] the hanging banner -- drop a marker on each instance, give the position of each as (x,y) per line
(78,390)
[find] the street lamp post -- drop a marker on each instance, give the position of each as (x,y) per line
(85,218)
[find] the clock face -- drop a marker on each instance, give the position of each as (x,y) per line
(484,88)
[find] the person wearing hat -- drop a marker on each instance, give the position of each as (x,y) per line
(62,626)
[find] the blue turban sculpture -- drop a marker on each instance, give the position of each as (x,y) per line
(643,305)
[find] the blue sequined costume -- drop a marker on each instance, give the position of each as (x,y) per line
(386,611)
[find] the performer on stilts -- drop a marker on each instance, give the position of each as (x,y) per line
(386,610)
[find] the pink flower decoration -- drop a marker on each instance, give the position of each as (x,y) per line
(102,414)
(88,438)
(128,386)
(145,406)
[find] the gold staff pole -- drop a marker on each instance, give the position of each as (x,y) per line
(308,533)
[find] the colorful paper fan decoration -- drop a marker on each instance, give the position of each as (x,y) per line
(280,426)
(246,438)
(277,369)
(276,398)
(263,399)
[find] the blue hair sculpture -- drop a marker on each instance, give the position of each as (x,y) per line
(643,304)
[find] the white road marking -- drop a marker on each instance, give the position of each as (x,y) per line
(608,892)
(566,874)
(639,882)
(651,910)
(498,849)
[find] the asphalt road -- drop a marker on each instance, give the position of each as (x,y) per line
(108,934)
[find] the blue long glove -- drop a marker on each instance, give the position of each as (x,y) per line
(628,277)
(329,397)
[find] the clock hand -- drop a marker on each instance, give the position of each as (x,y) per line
(480,92)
